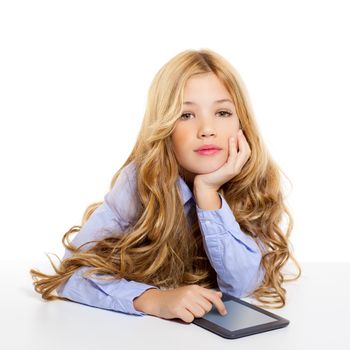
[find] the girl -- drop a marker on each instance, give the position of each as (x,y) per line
(196,207)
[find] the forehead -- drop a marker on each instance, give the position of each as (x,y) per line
(203,88)
(215,102)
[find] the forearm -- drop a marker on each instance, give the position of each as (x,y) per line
(116,294)
(234,255)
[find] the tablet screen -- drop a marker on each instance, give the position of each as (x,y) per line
(238,316)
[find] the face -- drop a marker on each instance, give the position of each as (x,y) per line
(204,121)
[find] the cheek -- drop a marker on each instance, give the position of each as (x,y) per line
(228,129)
(179,138)
(231,129)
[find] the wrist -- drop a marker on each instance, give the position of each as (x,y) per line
(207,198)
(202,187)
(147,301)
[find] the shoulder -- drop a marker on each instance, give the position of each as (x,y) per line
(126,178)
(130,171)
(122,198)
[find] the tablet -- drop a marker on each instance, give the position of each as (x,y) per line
(242,319)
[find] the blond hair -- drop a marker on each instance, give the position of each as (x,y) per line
(162,248)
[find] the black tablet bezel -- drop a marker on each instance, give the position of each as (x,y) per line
(213,327)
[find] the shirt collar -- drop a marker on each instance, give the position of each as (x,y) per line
(185,190)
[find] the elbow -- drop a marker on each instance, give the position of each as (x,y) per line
(244,284)
(251,278)
(253,282)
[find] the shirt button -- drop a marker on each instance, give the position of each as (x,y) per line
(207,222)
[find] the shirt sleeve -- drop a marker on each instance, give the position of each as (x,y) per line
(234,255)
(115,214)
(116,295)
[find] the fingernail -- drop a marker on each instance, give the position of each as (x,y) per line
(224,313)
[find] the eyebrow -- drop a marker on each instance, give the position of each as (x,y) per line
(217,101)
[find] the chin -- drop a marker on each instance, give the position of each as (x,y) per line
(207,168)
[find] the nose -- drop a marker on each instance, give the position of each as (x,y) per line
(206,131)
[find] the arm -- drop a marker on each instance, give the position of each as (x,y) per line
(114,215)
(117,295)
(234,255)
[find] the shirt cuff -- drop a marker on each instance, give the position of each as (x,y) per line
(123,293)
(222,220)
(130,295)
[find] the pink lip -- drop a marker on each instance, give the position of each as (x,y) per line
(203,147)
(208,152)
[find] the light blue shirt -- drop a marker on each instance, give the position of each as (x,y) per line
(234,255)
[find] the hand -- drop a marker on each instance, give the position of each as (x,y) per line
(186,302)
(231,168)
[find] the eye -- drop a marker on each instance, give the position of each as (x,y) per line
(225,114)
(184,114)
(228,114)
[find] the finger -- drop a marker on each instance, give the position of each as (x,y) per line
(232,154)
(214,298)
(239,160)
(196,308)
(243,143)
(244,150)
(205,305)
(220,306)
(186,315)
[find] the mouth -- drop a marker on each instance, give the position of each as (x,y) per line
(208,152)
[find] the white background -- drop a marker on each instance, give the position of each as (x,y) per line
(74,76)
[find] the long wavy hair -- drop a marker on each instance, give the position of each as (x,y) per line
(162,248)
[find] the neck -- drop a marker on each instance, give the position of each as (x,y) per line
(188,178)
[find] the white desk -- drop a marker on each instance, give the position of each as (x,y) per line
(318,308)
